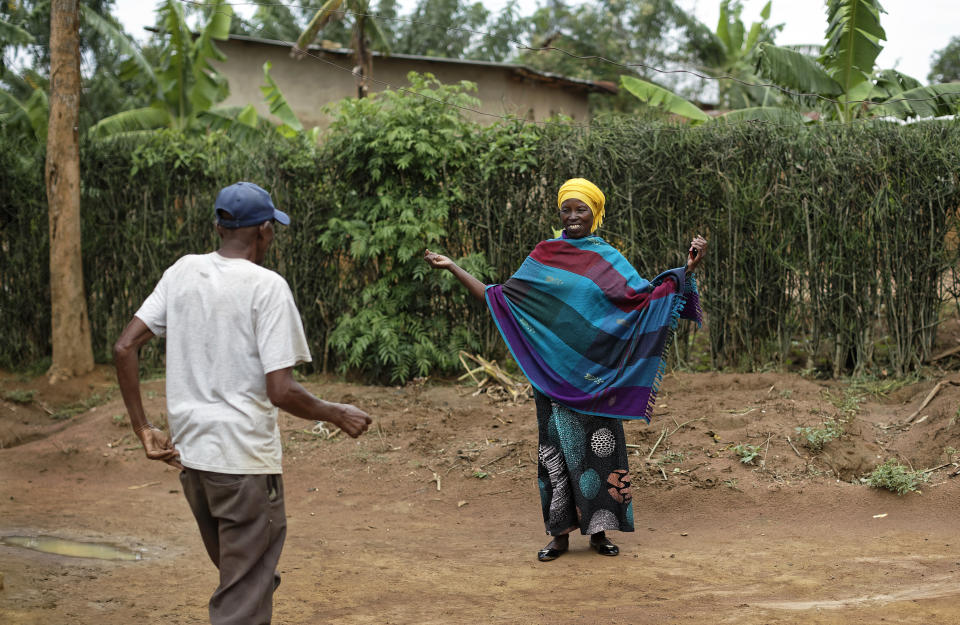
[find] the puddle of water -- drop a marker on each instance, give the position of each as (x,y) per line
(72,548)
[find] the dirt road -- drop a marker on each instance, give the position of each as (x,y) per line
(433,516)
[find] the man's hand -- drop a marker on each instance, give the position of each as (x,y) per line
(352,420)
(158,446)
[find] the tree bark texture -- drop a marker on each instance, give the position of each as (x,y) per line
(72,350)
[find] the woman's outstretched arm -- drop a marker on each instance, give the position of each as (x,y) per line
(439,261)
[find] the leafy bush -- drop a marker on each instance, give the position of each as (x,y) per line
(397,163)
(897,478)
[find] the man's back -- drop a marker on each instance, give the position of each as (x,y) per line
(228,323)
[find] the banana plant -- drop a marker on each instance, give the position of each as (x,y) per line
(738,50)
(186,87)
(289,125)
(845,73)
(363,27)
(29,115)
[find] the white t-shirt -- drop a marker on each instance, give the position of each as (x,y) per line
(228,323)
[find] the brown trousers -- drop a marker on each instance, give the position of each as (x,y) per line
(243,525)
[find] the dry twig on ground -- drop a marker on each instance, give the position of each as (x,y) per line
(495,382)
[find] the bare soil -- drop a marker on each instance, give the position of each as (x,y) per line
(433,516)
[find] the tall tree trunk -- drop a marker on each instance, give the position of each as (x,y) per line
(72,350)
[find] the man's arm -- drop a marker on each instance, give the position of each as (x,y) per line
(126,358)
(286,393)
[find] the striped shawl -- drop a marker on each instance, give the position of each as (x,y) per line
(587,330)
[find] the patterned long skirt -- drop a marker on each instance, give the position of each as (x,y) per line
(583,475)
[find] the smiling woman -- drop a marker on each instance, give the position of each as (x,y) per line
(589,333)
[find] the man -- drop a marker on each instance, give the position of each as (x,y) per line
(233,336)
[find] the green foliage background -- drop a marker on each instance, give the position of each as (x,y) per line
(828,244)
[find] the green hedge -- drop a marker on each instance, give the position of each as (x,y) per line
(828,244)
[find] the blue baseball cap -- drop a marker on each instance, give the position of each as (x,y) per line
(248,204)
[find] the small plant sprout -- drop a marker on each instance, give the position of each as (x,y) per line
(897,478)
(817,436)
(746,453)
(670,457)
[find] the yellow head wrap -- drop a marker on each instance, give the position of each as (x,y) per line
(589,193)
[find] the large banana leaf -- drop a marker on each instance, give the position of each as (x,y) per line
(794,70)
(207,85)
(929,101)
(662,99)
(770,114)
(174,77)
(33,113)
(14,35)
(890,83)
(279,107)
(242,123)
(756,29)
(149,118)
(853,41)
(108,29)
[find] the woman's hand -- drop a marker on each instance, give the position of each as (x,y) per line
(698,249)
(437,261)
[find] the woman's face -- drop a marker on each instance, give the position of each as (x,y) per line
(576,218)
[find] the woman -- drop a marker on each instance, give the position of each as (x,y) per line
(589,333)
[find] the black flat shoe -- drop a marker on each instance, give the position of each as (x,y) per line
(550,553)
(604,547)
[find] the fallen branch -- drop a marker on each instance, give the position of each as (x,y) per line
(139,486)
(949,352)
(494,376)
(657,444)
(496,492)
(677,429)
(763,461)
(794,448)
(933,393)
(482,466)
